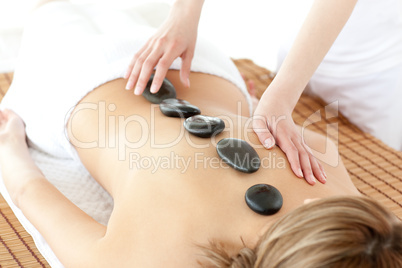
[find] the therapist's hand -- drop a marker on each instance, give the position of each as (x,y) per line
(273,119)
(273,124)
(175,38)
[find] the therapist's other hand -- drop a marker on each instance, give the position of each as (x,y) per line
(175,38)
(274,125)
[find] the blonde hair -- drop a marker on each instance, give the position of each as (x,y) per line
(331,232)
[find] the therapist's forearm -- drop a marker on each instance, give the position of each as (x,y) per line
(319,31)
(188,8)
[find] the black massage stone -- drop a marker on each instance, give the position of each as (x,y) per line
(166,91)
(204,126)
(178,108)
(238,154)
(264,199)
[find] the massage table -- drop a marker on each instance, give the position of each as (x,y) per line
(374,168)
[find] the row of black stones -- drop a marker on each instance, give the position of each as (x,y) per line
(261,198)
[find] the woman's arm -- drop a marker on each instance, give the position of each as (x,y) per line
(319,31)
(273,121)
(70,232)
(175,38)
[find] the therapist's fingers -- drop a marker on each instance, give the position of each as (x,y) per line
(316,166)
(187,57)
(292,153)
(312,169)
(161,71)
(305,163)
(147,68)
(130,67)
(136,70)
(260,127)
(133,61)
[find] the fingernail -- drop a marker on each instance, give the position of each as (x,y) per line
(269,143)
(137,90)
(313,180)
(129,85)
(126,74)
(323,177)
(153,89)
(325,174)
(300,173)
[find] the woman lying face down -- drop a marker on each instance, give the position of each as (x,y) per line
(175,217)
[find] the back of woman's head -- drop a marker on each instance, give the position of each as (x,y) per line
(331,232)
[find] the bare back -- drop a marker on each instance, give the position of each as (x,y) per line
(171,190)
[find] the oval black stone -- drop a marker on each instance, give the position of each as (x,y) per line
(238,154)
(264,199)
(166,91)
(204,126)
(178,108)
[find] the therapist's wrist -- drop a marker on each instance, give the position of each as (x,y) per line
(280,98)
(188,8)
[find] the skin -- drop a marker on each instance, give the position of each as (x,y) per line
(159,217)
(272,121)
(175,38)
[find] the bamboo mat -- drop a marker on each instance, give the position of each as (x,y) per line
(375,169)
